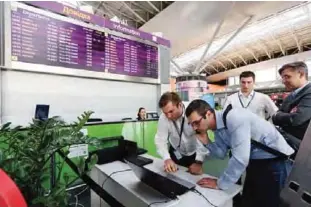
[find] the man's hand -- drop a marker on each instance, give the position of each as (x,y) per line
(170,166)
(196,169)
(294,110)
(202,136)
(208,183)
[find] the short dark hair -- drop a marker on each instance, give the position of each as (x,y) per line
(247,74)
(298,66)
(200,106)
(169,97)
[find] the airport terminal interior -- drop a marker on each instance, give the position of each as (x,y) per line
(98,99)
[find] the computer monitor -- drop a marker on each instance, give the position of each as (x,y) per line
(42,112)
(169,186)
(129,148)
(131,151)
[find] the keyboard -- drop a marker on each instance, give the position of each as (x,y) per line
(139,161)
(180,181)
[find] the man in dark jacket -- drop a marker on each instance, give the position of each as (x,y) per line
(295,113)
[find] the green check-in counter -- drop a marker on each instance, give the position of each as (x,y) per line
(142,132)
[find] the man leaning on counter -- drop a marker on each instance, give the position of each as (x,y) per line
(175,139)
(236,129)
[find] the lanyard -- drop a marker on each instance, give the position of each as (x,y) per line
(248,102)
(181,129)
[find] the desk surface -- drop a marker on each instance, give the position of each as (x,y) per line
(130,182)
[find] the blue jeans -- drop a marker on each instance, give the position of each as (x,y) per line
(264,181)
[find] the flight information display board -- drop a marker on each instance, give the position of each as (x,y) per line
(40,39)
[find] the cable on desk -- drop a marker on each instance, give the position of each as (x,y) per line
(109,176)
(77,199)
(160,202)
(199,193)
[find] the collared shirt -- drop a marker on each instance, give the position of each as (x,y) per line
(189,143)
(257,102)
(242,126)
(294,93)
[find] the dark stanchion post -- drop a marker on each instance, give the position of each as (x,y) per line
(53,171)
(143,134)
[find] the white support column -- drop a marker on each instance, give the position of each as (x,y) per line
(135,13)
(230,39)
(197,68)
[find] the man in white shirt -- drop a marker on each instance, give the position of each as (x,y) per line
(175,139)
(247,98)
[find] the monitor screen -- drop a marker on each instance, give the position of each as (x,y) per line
(42,112)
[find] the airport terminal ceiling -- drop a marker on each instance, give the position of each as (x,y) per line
(131,13)
(234,33)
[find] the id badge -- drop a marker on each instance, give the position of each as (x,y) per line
(177,155)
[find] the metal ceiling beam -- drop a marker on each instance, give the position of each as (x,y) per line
(153,6)
(213,67)
(290,26)
(218,61)
(109,11)
(177,66)
(278,42)
(231,61)
(296,40)
(135,13)
(241,57)
(118,11)
(197,68)
(98,6)
(252,53)
(207,72)
(231,38)
(264,47)
(141,7)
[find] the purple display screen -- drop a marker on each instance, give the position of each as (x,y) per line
(41,39)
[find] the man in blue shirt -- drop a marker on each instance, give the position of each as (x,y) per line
(266,173)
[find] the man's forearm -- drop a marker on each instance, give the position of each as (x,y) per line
(282,119)
(163,152)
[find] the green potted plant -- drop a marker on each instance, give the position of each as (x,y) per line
(25,155)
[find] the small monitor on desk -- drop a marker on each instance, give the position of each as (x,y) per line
(152,115)
(42,112)
(131,152)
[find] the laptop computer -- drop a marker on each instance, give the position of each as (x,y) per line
(169,186)
(131,151)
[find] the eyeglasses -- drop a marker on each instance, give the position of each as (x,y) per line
(196,123)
